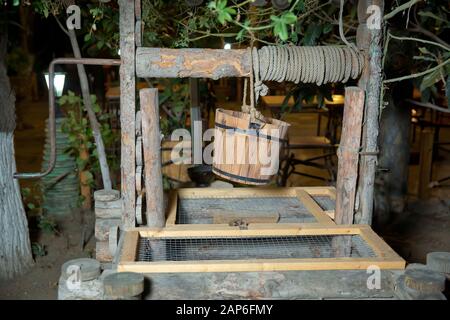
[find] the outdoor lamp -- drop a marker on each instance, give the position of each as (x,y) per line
(58,82)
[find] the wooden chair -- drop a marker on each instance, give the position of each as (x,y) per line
(289,162)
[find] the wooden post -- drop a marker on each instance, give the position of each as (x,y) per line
(151,138)
(369,41)
(425,162)
(127,110)
(348,155)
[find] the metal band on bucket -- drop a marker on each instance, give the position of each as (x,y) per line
(241,178)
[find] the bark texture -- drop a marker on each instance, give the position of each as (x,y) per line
(392,185)
(371,42)
(128,111)
(15,249)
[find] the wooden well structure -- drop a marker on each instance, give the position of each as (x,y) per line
(154,241)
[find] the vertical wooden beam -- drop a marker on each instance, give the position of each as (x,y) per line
(151,138)
(127,111)
(369,41)
(425,162)
(348,155)
(139,28)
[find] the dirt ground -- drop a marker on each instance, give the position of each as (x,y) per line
(41,281)
(424,227)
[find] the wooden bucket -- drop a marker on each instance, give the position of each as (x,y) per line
(245,151)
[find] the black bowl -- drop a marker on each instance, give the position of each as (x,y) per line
(202,175)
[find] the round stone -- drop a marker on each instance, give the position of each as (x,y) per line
(439,261)
(425,280)
(89,269)
(106,195)
(123,284)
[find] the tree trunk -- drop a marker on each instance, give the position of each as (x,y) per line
(392,185)
(91,114)
(371,42)
(15,250)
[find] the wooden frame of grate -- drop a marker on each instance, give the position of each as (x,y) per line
(304,194)
(385,258)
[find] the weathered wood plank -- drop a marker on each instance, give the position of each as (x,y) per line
(127,110)
(348,155)
(193,63)
(152,157)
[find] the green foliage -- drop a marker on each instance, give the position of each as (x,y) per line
(101,23)
(38,249)
(174,103)
(304,22)
(18,62)
(48,7)
(306,94)
(410,56)
(280,24)
(312,34)
(76,126)
(47,225)
(224,13)
(31,199)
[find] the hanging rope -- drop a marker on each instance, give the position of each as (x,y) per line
(255,115)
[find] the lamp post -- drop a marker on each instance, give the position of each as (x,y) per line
(58,83)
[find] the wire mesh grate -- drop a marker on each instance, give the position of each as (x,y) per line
(201,211)
(325,202)
(238,248)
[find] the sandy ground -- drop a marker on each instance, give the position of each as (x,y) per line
(424,227)
(41,281)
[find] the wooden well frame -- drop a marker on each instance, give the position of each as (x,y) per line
(385,258)
(304,194)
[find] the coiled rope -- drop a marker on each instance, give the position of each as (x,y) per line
(320,65)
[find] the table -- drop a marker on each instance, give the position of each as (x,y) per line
(333,109)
